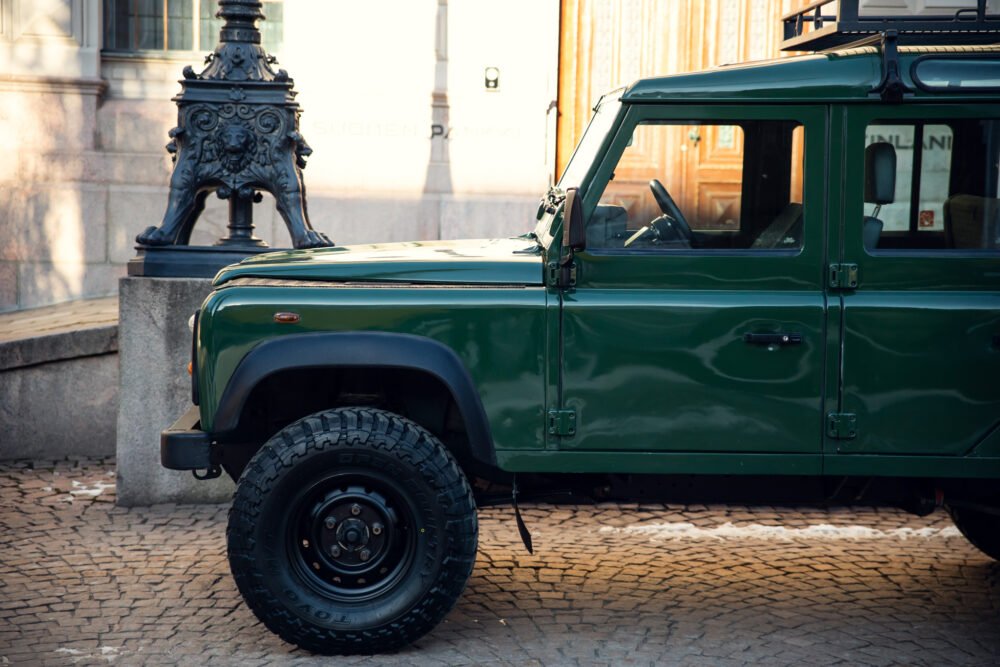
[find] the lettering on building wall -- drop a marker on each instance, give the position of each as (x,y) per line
(905,142)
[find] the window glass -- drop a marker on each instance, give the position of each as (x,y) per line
(679,186)
(180,26)
(177,25)
(148,24)
(271,29)
(935,168)
(953,73)
(209,26)
(938,201)
(587,150)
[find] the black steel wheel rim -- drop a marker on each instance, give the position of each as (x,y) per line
(351,535)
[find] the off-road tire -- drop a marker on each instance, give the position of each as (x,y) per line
(405,473)
(980,528)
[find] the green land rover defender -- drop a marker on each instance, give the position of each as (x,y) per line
(774,278)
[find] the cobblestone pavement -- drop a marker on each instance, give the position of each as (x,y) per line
(85,582)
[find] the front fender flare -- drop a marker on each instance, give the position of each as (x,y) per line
(359,349)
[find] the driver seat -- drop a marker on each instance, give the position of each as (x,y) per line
(776,234)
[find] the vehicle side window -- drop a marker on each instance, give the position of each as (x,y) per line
(932,185)
(681,186)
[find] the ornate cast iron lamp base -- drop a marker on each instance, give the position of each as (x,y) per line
(237,134)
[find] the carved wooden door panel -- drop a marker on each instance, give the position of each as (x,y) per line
(606,44)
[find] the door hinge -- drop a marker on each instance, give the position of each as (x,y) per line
(843,276)
(562,422)
(842,425)
(561,276)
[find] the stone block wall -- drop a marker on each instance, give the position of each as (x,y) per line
(83,132)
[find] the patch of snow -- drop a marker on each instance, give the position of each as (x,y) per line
(76,654)
(658,532)
(80,489)
(108,653)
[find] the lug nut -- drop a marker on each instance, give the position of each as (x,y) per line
(330,523)
(377,529)
(355,509)
(335,551)
(365,554)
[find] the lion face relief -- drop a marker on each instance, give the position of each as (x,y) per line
(235,143)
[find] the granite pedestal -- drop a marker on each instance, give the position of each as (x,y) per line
(154,349)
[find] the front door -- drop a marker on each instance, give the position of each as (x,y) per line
(701,328)
(921,349)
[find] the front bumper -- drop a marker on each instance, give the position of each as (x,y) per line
(184,446)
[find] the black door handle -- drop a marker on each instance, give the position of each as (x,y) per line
(772,338)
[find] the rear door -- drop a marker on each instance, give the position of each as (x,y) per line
(713,340)
(921,331)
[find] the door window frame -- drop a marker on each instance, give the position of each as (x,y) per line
(906,269)
(769,269)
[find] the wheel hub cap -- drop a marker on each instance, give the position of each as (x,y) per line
(353,534)
(352,538)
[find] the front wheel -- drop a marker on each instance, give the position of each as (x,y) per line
(980,528)
(352,531)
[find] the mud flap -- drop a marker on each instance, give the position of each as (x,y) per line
(521,528)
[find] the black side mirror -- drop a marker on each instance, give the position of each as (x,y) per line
(574,233)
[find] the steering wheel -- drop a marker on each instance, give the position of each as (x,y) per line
(667,205)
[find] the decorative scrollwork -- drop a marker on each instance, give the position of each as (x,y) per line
(203,118)
(268,121)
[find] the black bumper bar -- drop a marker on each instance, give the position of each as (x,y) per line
(184,446)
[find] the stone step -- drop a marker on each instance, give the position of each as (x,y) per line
(59,380)
(66,331)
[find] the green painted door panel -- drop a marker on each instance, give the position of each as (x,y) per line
(921,371)
(654,370)
(920,356)
(654,358)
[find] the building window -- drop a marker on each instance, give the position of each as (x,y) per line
(177,25)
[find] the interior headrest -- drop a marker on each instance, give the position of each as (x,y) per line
(880,173)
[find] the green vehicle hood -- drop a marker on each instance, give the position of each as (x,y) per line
(486,261)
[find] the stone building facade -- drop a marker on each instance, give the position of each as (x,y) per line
(428,118)
(409,141)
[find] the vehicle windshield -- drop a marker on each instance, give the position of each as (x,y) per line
(585,155)
(587,150)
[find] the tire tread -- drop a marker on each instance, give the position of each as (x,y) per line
(373,429)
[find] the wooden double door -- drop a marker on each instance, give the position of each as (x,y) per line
(607,44)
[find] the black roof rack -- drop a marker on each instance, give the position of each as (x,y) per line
(971,25)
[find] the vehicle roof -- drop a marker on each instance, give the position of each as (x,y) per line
(843,75)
